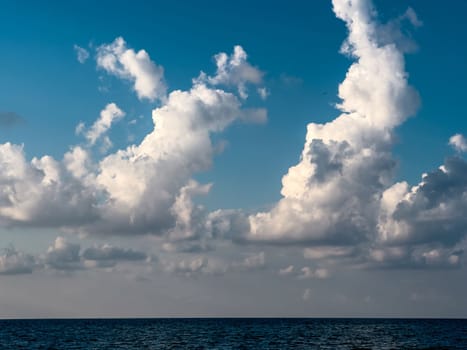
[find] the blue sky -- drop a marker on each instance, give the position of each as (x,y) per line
(39,63)
(297,40)
(295,48)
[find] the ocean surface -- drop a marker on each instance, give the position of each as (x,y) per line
(234,334)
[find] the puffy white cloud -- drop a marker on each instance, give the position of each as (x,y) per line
(137,67)
(431,211)
(423,226)
(332,195)
(458,142)
(82,54)
(160,168)
(39,192)
(235,70)
(110,114)
(144,188)
(340,199)
(78,162)
(13,262)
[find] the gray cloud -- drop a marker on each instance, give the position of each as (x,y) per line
(432,211)
(68,257)
(10,119)
(111,255)
(63,255)
(13,262)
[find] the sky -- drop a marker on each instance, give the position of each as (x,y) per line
(190,159)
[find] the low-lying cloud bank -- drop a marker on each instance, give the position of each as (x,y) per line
(65,256)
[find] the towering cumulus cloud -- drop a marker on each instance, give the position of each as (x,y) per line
(333,193)
(341,192)
(137,67)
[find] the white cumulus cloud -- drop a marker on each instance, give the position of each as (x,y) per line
(458,142)
(332,195)
(137,67)
(235,70)
(109,115)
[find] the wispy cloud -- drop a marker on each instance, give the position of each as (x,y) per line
(82,54)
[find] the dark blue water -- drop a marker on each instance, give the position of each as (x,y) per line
(233,334)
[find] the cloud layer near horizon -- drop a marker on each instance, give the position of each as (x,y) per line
(339,202)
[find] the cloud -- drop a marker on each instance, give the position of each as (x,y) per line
(235,70)
(331,195)
(63,255)
(188,267)
(82,54)
(411,15)
(197,246)
(13,262)
(39,193)
(145,188)
(396,31)
(431,212)
(306,294)
(340,199)
(10,119)
(137,67)
(427,256)
(458,142)
(309,273)
(254,261)
(286,270)
(204,265)
(108,256)
(263,92)
(110,114)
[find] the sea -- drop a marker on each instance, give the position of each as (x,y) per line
(234,333)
